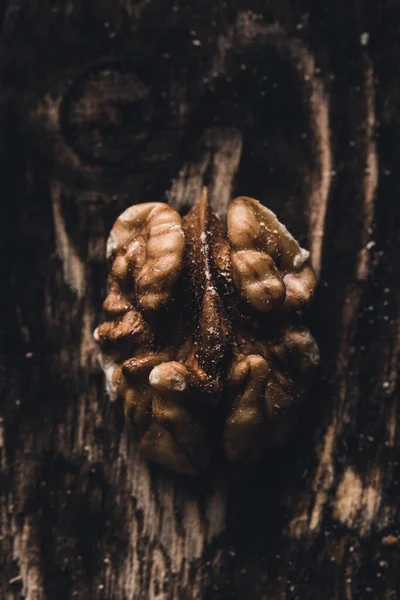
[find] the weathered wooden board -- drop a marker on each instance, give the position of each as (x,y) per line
(104,104)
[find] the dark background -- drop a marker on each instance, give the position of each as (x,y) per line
(107,103)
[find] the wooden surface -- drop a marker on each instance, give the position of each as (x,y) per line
(104,104)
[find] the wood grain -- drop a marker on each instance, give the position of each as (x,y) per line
(110,103)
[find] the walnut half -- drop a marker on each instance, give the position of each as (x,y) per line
(202,341)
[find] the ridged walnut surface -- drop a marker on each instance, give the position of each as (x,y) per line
(203,342)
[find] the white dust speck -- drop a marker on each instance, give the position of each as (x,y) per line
(112,244)
(129,214)
(301,258)
(109,367)
(177,228)
(154,377)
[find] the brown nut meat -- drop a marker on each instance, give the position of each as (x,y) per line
(146,248)
(189,364)
(266,382)
(269,266)
(157,405)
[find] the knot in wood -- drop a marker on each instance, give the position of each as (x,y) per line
(107,115)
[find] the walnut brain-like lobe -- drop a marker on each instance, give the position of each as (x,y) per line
(202,341)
